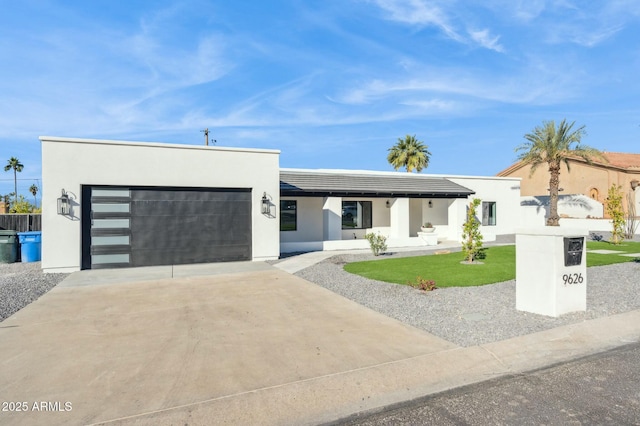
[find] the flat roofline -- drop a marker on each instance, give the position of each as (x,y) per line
(155,144)
(396,174)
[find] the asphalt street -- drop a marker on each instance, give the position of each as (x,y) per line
(602,389)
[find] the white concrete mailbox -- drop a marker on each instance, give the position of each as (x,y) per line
(551,271)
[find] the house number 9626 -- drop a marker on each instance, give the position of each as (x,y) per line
(572,279)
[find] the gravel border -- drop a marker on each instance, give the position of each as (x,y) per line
(23,283)
(470,316)
(467,316)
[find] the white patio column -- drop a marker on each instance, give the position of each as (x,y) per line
(457,215)
(399,218)
(332,218)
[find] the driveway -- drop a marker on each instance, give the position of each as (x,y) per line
(149,346)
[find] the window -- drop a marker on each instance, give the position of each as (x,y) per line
(489,213)
(288,215)
(356,214)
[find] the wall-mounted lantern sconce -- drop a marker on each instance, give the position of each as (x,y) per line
(388,204)
(266,205)
(430,204)
(64,204)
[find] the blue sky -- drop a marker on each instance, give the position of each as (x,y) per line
(331,83)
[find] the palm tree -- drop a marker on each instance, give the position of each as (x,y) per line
(409,153)
(34,190)
(17,166)
(555,145)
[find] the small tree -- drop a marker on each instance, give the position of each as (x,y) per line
(632,221)
(616,212)
(377,242)
(471,236)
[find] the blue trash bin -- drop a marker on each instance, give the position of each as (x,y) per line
(30,246)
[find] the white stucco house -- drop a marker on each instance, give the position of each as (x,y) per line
(334,209)
(143,204)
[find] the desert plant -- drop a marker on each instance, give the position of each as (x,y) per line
(471,236)
(428,225)
(631,219)
(423,284)
(409,153)
(616,212)
(555,145)
(377,242)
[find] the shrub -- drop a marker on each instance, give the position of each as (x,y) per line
(21,205)
(377,242)
(471,236)
(423,284)
(616,212)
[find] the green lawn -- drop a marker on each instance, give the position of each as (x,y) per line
(595,259)
(447,271)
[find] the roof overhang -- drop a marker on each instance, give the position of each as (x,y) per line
(329,184)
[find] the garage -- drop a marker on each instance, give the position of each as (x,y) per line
(132,204)
(148,226)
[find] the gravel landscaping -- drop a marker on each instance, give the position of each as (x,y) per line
(471,316)
(466,316)
(21,284)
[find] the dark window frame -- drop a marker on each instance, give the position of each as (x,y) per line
(489,213)
(351,208)
(285,212)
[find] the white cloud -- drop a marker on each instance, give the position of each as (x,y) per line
(536,83)
(419,12)
(439,14)
(521,10)
(485,39)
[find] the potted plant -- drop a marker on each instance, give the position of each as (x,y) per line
(427,227)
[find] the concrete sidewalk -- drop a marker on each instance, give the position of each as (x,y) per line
(301,261)
(254,346)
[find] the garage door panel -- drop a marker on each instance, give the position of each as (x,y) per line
(182,256)
(164,226)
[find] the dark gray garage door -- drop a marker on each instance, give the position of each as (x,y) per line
(133,226)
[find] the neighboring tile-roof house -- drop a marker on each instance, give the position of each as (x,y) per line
(619,160)
(593,180)
(623,160)
(312,183)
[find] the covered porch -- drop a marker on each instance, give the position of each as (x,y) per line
(333,210)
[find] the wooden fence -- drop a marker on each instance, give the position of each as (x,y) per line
(21,222)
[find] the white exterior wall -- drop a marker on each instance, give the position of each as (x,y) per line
(505,192)
(437,214)
(332,216)
(457,216)
(401,221)
(416,205)
(308,221)
(569,205)
(70,163)
(400,218)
